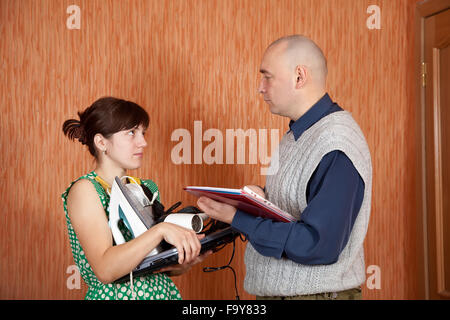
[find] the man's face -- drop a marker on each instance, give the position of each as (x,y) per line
(278,82)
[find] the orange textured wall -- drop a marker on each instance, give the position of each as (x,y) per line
(186,61)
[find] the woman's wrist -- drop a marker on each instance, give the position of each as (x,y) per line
(157,229)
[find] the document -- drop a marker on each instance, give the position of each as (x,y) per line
(243,199)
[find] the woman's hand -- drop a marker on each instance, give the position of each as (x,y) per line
(186,241)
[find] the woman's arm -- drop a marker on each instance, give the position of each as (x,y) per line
(112,262)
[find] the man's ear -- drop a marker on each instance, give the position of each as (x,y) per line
(100,142)
(301,73)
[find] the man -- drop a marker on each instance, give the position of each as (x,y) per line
(324,180)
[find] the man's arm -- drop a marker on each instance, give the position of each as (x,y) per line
(335,194)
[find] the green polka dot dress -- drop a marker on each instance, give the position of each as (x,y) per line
(153,287)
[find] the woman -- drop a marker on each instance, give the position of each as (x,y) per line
(114,129)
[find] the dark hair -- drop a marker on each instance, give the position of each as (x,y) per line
(106,116)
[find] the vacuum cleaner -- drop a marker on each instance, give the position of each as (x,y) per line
(139,209)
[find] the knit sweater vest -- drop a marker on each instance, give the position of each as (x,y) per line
(297,160)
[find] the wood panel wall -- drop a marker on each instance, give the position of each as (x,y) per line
(185,61)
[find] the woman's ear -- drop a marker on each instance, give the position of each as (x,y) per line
(100,143)
(301,74)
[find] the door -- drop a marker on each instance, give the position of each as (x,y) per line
(436,81)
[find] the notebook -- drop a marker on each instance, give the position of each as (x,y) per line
(214,240)
(245,200)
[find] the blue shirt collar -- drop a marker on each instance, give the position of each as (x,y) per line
(320,109)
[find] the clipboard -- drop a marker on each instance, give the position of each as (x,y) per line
(243,199)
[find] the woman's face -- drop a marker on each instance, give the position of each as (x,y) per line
(126,147)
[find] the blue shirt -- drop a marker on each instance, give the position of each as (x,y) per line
(334,196)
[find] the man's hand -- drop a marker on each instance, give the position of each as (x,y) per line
(217,210)
(257,189)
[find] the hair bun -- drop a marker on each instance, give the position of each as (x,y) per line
(73,129)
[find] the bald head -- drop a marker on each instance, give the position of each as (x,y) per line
(294,73)
(300,50)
